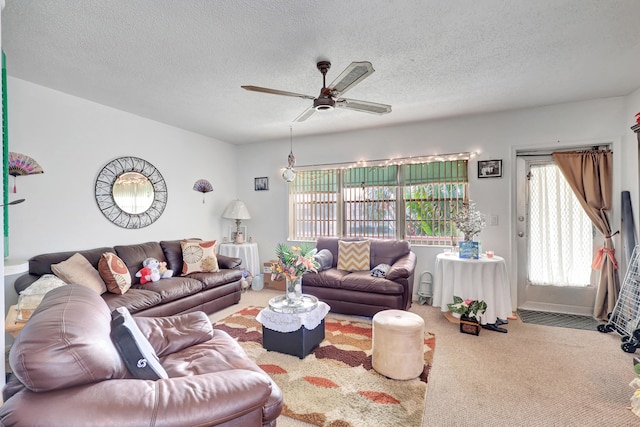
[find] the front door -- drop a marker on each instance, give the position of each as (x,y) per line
(555,241)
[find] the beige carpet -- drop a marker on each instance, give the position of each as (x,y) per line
(335,385)
(532,376)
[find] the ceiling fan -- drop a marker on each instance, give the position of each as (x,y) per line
(330,96)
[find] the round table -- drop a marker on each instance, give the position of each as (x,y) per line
(247,252)
(478,279)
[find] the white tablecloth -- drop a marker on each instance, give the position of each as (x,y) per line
(288,322)
(482,279)
(247,252)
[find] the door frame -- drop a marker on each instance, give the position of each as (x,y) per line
(615,144)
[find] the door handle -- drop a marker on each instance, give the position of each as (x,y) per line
(520,233)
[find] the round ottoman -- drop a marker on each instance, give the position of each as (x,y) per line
(398,344)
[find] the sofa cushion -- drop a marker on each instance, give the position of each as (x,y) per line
(66,342)
(331,278)
(199,256)
(170,334)
(114,272)
(354,256)
(78,270)
(133,255)
(41,264)
(173,252)
(363,281)
(135,299)
(173,288)
(134,348)
(212,280)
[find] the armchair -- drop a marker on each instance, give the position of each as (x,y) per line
(68,372)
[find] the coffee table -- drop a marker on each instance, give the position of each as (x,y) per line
(293,329)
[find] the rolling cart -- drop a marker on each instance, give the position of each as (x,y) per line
(625,318)
(425,288)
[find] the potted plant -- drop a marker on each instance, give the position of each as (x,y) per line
(470,222)
(470,312)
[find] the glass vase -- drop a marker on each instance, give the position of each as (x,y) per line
(294,291)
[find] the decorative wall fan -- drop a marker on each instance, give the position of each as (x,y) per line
(203,186)
(20,165)
(330,96)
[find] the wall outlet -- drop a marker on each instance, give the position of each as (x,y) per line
(493,220)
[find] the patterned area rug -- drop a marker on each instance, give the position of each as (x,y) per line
(336,385)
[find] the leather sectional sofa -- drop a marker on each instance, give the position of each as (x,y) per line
(360,293)
(208,292)
(69,372)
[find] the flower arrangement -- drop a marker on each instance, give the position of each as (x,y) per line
(468,308)
(294,261)
(469,221)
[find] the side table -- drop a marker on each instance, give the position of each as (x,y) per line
(11,324)
(247,252)
(294,333)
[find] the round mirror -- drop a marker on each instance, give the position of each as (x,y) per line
(131,192)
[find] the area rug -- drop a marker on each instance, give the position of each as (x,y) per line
(336,385)
(561,320)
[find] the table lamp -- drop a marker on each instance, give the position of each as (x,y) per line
(237,210)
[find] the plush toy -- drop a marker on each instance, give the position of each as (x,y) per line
(165,273)
(144,275)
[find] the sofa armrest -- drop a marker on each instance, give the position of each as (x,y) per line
(206,399)
(230,263)
(169,335)
(403,267)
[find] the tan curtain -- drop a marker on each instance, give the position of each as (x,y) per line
(589,174)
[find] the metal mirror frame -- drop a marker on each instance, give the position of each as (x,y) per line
(104,192)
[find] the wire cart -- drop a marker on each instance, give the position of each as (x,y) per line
(425,288)
(625,318)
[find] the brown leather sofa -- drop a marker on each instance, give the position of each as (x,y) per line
(208,292)
(358,292)
(68,372)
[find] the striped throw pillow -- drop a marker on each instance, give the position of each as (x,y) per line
(354,256)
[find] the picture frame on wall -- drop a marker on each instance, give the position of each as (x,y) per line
(489,168)
(261,183)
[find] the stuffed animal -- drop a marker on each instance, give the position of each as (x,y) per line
(165,273)
(145,275)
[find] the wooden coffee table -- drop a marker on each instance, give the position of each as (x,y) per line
(11,324)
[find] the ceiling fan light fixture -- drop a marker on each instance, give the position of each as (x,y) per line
(289,174)
(324,103)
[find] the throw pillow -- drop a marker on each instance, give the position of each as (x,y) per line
(115,273)
(78,270)
(380,270)
(44,284)
(139,356)
(354,256)
(198,257)
(324,258)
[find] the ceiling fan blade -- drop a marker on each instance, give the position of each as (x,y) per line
(276,92)
(364,106)
(351,76)
(305,114)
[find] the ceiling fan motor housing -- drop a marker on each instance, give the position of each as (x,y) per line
(324,103)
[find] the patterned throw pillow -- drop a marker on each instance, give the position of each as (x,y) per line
(115,273)
(44,284)
(77,269)
(354,256)
(199,257)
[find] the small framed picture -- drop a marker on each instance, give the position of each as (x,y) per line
(489,168)
(261,184)
(233,234)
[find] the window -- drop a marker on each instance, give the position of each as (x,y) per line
(406,201)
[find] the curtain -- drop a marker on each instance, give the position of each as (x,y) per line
(589,173)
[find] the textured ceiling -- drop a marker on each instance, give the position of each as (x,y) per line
(183,62)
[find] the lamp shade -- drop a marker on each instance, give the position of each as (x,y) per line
(236,210)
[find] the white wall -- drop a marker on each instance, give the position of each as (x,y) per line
(492,136)
(73,139)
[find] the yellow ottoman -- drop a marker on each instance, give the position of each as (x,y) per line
(398,344)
